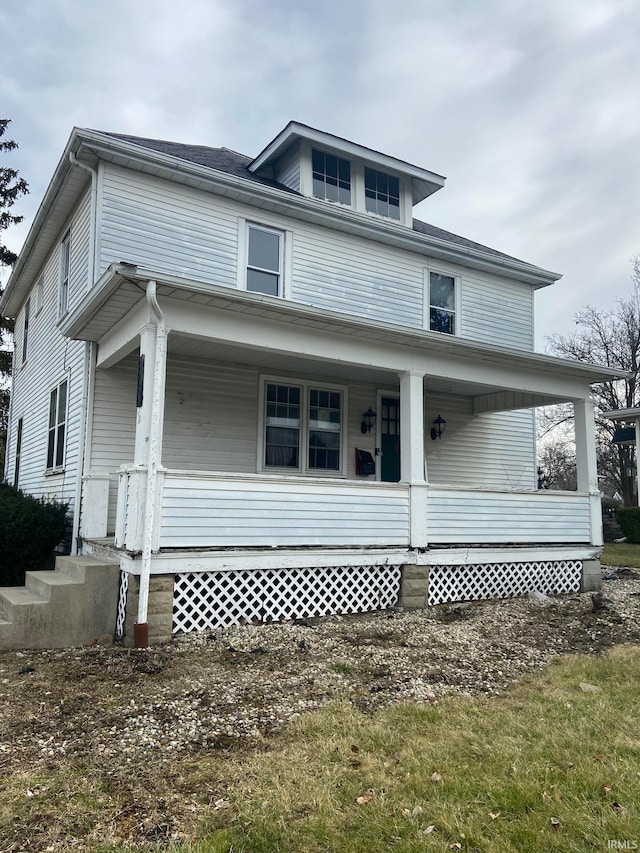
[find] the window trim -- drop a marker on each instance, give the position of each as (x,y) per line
(25,329)
(286,256)
(457,288)
(305,386)
(39,292)
(65,274)
(56,469)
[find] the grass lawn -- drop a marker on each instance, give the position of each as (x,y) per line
(623,554)
(553,765)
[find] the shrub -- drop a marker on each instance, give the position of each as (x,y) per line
(629,521)
(30,528)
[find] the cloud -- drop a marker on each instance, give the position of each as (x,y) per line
(531,110)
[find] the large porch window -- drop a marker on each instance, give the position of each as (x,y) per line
(303,427)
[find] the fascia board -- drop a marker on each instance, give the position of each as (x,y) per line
(10,302)
(622,414)
(343,324)
(313,210)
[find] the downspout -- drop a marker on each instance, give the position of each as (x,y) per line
(75,533)
(141,627)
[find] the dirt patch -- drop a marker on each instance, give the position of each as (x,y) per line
(139,726)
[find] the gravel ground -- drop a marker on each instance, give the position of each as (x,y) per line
(123,712)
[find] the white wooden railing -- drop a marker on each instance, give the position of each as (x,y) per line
(474,516)
(207,510)
(204,509)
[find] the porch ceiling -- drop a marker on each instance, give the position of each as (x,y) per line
(121,290)
(272,362)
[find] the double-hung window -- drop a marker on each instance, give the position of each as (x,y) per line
(25,329)
(381,193)
(65,268)
(303,427)
(331,177)
(442,303)
(265,254)
(57,426)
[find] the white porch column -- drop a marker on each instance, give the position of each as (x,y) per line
(144,412)
(412,467)
(586,463)
(153,417)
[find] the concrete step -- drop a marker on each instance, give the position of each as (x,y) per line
(71,606)
(77,567)
(43,583)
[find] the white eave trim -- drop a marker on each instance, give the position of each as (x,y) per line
(73,323)
(294,131)
(622,414)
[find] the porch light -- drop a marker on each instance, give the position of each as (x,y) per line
(438,427)
(368,421)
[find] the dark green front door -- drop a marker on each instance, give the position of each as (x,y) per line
(390,439)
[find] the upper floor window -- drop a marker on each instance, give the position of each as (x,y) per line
(57,426)
(442,303)
(265,252)
(25,329)
(39,295)
(65,268)
(331,177)
(381,193)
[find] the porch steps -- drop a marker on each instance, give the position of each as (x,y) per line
(74,605)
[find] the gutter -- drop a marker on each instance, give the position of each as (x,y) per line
(88,352)
(72,325)
(141,627)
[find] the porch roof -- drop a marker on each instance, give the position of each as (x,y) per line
(122,287)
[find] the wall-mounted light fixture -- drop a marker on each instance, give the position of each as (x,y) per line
(438,427)
(368,421)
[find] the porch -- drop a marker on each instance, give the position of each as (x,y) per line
(210,509)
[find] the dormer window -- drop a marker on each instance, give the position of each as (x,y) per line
(331,177)
(381,193)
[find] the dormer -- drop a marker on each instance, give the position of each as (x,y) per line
(334,170)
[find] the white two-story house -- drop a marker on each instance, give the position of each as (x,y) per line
(267,391)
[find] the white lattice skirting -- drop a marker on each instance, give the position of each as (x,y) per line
(123,589)
(502,580)
(216,599)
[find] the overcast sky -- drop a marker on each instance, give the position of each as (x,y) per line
(531,109)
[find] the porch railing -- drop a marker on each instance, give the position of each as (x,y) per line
(473,516)
(204,509)
(209,510)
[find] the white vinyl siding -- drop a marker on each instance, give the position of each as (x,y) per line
(483,518)
(495,450)
(204,512)
(113,424)
(168,227)
(495,310)
(195,234)
(287,169)
(52,359)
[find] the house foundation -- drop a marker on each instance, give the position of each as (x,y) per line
(160,609)
(591,579)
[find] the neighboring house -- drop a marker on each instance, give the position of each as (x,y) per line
(267,391)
